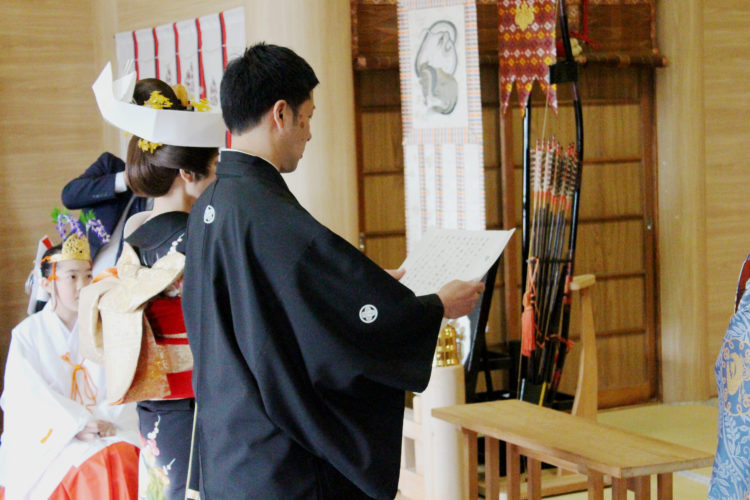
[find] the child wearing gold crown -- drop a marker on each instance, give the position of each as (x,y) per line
(60,436)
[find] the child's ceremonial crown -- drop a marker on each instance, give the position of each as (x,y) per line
(74,235)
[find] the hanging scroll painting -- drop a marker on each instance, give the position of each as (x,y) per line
(438,93)
(192,52)
(442,116)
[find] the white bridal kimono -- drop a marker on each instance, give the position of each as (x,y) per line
(41,418)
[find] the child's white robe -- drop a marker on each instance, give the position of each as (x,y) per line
(41,420)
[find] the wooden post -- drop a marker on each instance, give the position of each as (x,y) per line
(513,471)
(470,450)
(664,486)
(586,400)
(619,489)
(534,479)
(642,487)
(596,485)
(491,467)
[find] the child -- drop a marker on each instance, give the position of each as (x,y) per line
(60,437)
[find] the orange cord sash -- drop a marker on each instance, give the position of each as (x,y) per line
(89,389)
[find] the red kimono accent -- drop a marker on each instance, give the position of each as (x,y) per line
(110,474)
(164,314)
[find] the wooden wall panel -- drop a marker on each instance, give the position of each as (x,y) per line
(611,248)
(606,193)
(388,252)
(490,142)
(49,132)
(682,224)
(382,150)
(621,371)
(385,191)
(491,199)
(726,80)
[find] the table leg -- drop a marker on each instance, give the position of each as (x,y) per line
(664,486)
(513,471)
(534,479)
(619,489)
(470,459)
(642,487)
(491,468)
(596,485)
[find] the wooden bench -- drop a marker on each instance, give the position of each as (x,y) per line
(569,442)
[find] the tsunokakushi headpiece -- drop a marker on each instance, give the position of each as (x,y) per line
(153,122)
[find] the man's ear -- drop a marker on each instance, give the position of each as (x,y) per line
(279,109)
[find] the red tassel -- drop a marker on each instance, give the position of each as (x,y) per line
(528,328)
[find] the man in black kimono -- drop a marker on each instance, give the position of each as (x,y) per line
(303,347)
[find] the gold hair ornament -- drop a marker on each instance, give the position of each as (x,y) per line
(201,105)
(155,101)
(158,101)
(148,146)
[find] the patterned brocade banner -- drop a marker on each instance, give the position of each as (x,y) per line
(527,48)
(442,116)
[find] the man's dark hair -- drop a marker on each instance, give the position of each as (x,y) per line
(263,75)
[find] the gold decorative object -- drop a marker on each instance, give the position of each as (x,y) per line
(201,105)
(446,353)
(524,15)
(147,146)
(158,101)
(75,248)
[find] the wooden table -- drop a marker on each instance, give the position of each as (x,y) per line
(572,443)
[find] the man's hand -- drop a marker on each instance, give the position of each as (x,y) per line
(96,429)
(396,273)
(460,297)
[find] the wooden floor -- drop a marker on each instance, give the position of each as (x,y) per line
(692,425)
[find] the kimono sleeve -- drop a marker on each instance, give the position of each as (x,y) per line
(350,314)
(38,421)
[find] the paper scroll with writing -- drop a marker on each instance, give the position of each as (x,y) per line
(444,255)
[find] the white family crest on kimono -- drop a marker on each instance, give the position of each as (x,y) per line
(41,419)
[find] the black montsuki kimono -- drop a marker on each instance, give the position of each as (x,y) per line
(302,346)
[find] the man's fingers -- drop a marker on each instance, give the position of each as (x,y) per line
(396,273)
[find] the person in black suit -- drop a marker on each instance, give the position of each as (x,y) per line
(102,188)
